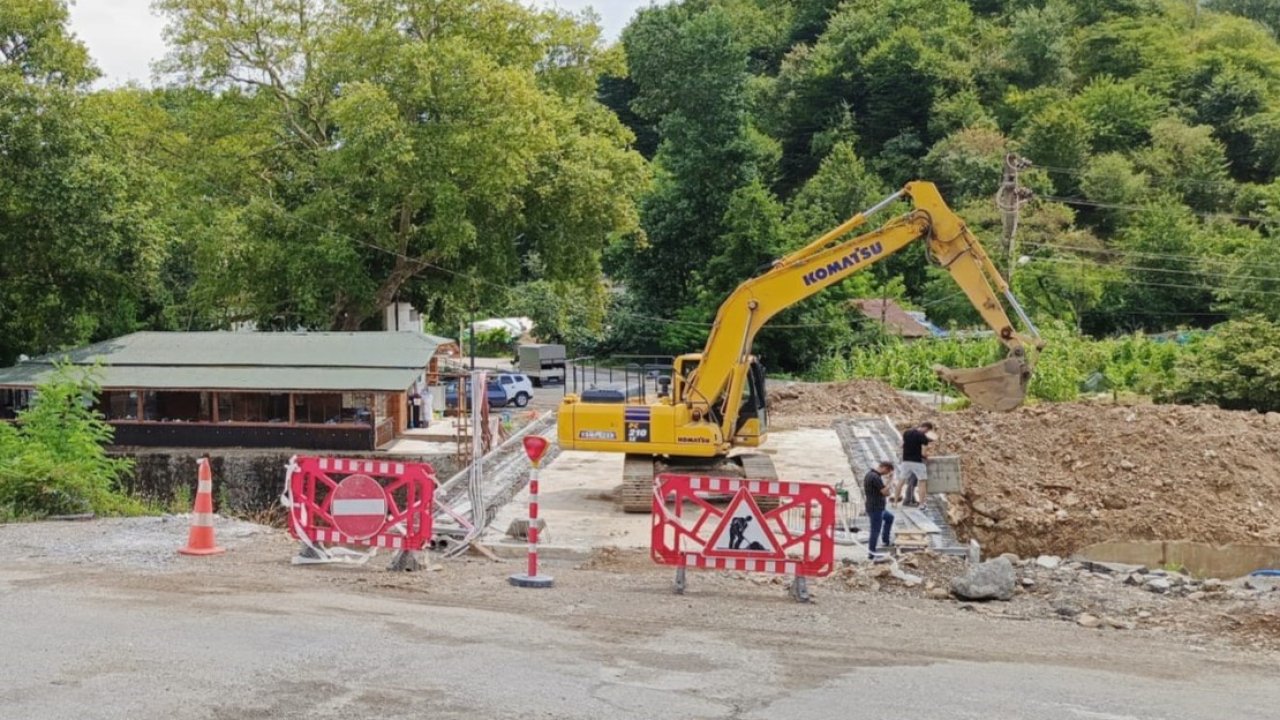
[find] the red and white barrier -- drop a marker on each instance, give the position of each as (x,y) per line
(367,503)
(795,538)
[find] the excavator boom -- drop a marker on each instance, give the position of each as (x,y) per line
(717,400)
(829,260)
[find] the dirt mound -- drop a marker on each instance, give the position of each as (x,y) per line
(819,404)
(1056,477)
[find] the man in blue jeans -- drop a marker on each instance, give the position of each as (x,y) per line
(876,488)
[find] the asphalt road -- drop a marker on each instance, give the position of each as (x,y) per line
(150,647)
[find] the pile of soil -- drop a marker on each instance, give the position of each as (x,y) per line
(1057,477)
(819,404)
(1054,478)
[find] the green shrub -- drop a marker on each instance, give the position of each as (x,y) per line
(53,462)
(493,343)
(1237,367)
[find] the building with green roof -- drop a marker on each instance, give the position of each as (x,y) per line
(312,390)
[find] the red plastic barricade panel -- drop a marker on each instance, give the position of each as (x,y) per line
(374,503)
(795,538)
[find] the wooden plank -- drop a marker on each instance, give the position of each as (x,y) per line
(482,550)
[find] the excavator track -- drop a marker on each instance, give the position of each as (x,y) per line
(636,493)
(639,471)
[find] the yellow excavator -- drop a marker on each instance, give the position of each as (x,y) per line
(716,399)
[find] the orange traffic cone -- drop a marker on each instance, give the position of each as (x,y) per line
(200,540)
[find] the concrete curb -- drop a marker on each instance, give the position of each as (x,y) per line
(512,551)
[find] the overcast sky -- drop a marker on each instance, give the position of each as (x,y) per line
(124,37)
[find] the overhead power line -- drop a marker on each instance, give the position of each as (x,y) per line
(1126,253)
(1148,283)
(1147,268)
(1144,208)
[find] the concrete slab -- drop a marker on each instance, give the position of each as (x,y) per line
(577,504)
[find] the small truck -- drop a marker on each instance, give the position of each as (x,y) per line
(542,363)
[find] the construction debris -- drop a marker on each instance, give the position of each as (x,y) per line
(1085,593)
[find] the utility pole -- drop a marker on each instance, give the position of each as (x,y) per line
(1009,201)
(473,338)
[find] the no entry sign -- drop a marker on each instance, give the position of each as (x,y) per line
(374,503)
(359,507)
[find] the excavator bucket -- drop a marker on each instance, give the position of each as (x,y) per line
(1000,386)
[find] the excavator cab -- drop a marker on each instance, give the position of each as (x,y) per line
(753,414)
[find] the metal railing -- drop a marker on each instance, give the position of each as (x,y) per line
(638,375)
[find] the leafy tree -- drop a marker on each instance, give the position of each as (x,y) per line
(1053,274)
(1092,11)
(880,65)
(81,224)
(968,163)
(1262,11)
(36,46)
(1063,286)
(690,68)
(1058,137)
(959,111)
(1261,160)
(1163,285)
(903,77)
(1262,204)
(1017,107)
(804,334)
(53,462)
(810,19)
(1245,270)
(1228,86)
(406,138)
(1119,113)
(1237,367)
(753,238)
(565,313)
(1039,47)
(1187,161)
(842,186)
(1151,50)
(1111,179)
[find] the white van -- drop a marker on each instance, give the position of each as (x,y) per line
(518,387)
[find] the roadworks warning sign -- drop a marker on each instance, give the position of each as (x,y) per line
(743,532)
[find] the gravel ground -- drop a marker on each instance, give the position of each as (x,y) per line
(142,543)
(104,621)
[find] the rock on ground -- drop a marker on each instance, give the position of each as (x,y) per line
(991,580)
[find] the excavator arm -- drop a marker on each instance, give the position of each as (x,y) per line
(714,388)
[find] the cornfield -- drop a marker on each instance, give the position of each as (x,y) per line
(1068,366)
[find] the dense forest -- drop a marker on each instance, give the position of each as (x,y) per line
(1153,129)
(303,163)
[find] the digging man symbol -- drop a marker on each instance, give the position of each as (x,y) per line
(737,531)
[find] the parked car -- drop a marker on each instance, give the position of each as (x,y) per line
(518,387)
(493,390)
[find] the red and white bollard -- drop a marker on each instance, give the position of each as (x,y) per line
(535,447)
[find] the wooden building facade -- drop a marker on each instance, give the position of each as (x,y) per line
(321,391)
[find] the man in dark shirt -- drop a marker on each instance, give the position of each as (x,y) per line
(913,468)
(876,489)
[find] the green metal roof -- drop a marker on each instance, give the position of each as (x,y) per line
(378,361)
